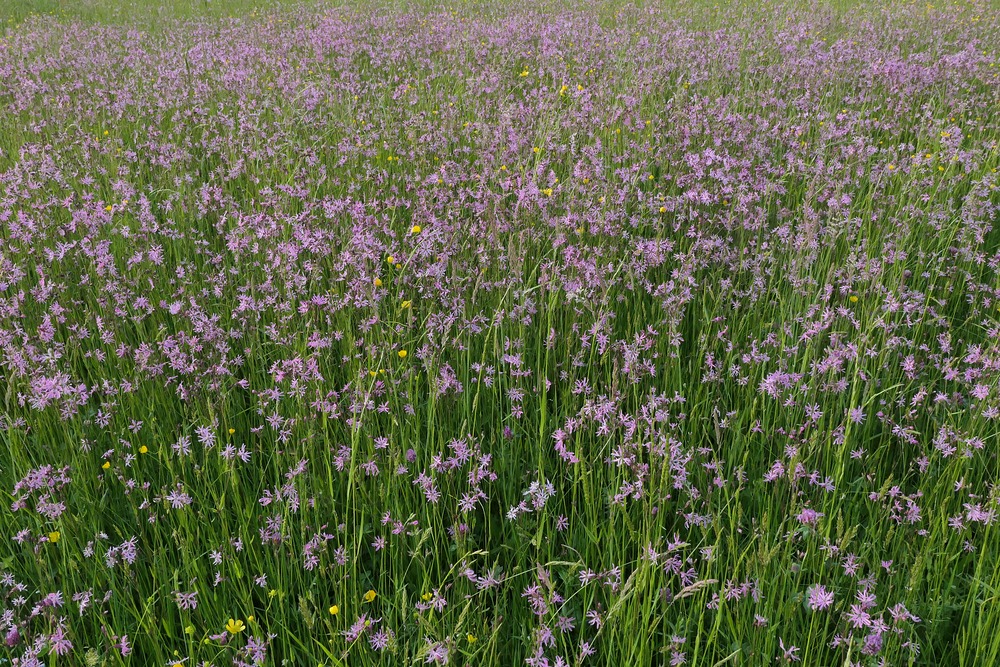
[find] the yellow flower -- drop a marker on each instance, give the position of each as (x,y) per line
(891,167)
(663,209)
(235,627)
(402,354)
(250,618)
(547,192)
(426,596)
(405,304)
(536,150)
(371,595)
(415,229)
(108,207)
(390,259)
(231,431)
(189,630)
(378,282)
(334,610)
(143,449)
(853,298)
(54,536)
(107,465)
(471,638)
(372,373)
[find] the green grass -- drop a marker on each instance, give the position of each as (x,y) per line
(506,274)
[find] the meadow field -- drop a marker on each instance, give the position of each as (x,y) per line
(495,333)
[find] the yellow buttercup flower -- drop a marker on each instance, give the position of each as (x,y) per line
(107,465)
(143,449)
(471,638)
(853,298)
(390,259)
(415,229)
(378,282)
(234,627)
(54,536)
(402,354)
(108,207)
(231,431)
(370,596)
(405,304)
(334,610)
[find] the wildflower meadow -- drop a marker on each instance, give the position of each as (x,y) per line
(612,333)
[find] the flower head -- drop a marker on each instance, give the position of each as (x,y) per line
(234,627)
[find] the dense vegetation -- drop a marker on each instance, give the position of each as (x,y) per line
(628,334)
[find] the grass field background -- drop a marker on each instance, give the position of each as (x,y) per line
(499,333)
